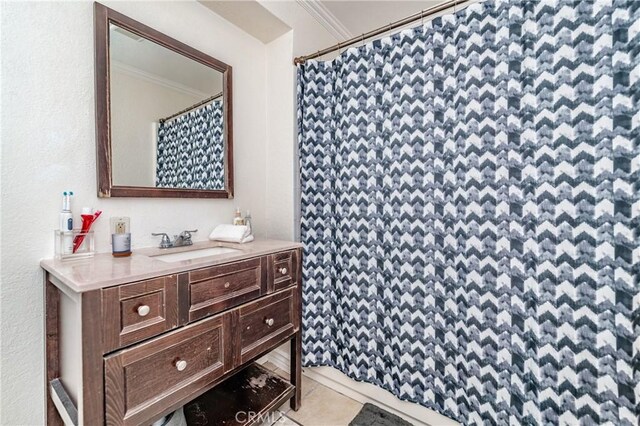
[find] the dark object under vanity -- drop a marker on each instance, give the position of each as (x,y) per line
(131,340)
(248,397)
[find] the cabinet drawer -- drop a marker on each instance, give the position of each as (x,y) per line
(266,322)
(282,270)
(140,382)
(212,290)
(137,311)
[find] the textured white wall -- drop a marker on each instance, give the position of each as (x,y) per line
(48,145)
(281,161)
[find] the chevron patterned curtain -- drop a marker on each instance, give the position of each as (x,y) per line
(191,150)
(470,212)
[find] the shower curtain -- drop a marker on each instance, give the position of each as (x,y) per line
(191,149)
(470,212)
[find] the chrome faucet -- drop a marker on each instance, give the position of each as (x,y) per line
(184,239)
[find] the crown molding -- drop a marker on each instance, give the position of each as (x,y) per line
(154,78)
(328,20)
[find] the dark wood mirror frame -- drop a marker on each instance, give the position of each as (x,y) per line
(103,16)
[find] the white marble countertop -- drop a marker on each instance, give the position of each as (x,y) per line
(103,270)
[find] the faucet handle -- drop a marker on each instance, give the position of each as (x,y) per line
(166,241)
(187,234)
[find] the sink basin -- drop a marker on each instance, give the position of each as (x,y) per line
(194,254)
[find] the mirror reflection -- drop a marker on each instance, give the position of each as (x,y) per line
(167,110)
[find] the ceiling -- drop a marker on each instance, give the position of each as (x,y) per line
(359,17)
(318,23)
(250,16)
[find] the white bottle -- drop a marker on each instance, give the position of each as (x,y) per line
(247,221)
(66,223)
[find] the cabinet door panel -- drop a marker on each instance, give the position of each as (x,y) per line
(215,289)
(141,381)
(137,311)
(282,270)
(266,322)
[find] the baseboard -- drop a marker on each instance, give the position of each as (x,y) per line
(362,392)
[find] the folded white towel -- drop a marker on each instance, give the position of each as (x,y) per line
(247,239)
(231,234)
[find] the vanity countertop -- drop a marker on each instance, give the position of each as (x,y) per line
(103,270)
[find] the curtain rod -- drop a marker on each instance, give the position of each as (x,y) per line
(194,106)
(390,27)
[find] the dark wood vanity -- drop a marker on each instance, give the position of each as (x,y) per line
(130,340)
(123,350)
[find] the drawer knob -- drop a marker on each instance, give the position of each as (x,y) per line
(268,321)
(227,284)
(283,270)
(181,365)
(143,310)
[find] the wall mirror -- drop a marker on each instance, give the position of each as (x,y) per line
(163,114)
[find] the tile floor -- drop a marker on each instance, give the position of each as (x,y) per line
(321,406)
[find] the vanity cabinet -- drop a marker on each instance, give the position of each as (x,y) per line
(213,289)
(129,353)
(134,312)
(266,322)
(140,381)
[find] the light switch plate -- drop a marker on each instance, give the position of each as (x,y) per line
(119,225)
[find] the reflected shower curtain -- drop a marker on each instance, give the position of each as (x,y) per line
(470,212)
(191,149)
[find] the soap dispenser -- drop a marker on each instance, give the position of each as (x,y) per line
(238,220)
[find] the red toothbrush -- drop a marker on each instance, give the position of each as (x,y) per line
(87,221)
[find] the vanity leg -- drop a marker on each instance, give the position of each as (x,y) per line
(52,350)
(92,368)
(296,370)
